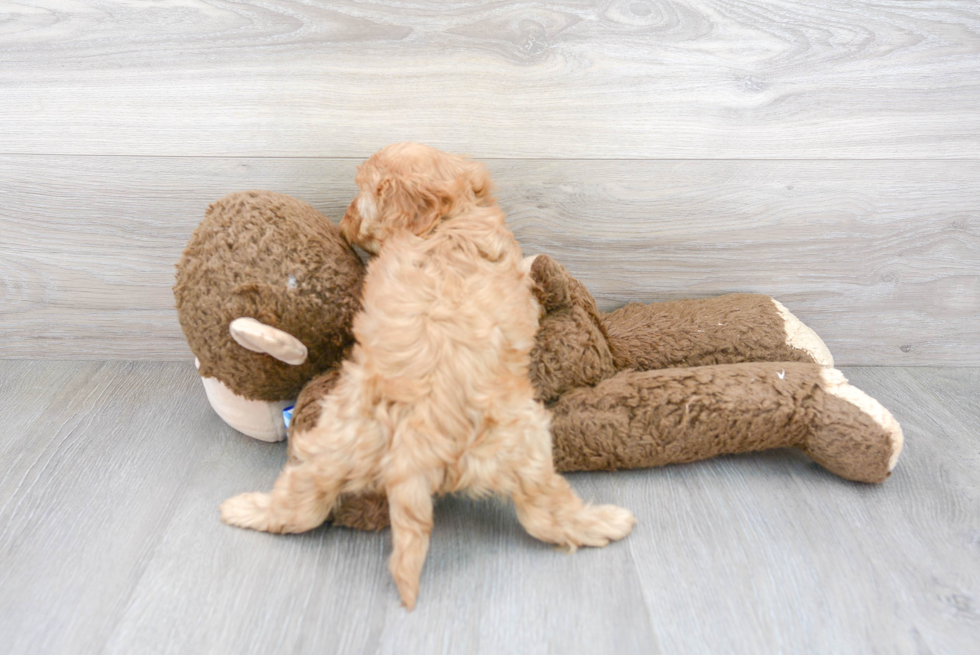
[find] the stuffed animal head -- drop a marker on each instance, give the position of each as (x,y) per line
(266,293)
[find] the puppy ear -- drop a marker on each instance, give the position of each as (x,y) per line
(437,201)
(476,178)
(415,204)
(465,181)
(385,188)
(350,225)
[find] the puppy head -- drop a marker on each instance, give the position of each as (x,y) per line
(411,187)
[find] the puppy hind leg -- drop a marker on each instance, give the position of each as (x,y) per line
(410,503)
(550,510)
(547,506)
(302,498)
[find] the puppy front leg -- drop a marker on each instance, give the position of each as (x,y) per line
(410,504)
(301,499)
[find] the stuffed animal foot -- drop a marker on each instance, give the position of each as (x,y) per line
(852,435)
(800,337)
(654,418)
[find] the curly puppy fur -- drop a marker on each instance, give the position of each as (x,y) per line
(436,397)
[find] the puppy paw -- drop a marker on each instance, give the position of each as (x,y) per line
(599,525)
(250,510)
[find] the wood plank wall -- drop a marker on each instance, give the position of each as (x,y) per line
(824,153)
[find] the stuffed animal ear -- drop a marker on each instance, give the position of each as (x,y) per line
(261,338)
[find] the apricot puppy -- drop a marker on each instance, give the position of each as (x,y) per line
(435,397)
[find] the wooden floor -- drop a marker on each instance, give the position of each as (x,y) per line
(111,473)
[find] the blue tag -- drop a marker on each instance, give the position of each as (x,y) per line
(287,414)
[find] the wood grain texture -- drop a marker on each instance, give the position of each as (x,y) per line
(89,478)
(881,258)
(815,560)
(527,79)
(111,473)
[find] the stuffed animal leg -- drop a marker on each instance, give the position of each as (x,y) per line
(738,327)
(577,345)
(748,364)
(638,419)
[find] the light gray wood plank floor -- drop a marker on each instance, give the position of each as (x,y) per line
(111,473)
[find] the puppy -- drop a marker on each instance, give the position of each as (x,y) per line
(435,397)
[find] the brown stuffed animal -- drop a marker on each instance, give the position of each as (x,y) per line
(266,290)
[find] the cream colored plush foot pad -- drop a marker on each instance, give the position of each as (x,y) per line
(799,336)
